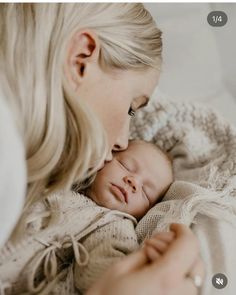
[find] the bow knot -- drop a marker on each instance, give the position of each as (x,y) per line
(48,258)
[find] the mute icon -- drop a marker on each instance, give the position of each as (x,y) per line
(219,281)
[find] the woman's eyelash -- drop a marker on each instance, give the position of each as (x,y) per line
(131,112)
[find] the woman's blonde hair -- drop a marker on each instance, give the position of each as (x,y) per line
(62,138)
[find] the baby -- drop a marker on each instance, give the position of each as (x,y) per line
(134,180)
(81,235)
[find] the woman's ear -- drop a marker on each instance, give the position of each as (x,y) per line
(82,51)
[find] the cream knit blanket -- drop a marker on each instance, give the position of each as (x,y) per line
(203,146)
(203,196)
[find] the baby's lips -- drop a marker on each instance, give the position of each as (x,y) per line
(124,192)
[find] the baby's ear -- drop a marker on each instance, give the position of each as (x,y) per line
(168,155)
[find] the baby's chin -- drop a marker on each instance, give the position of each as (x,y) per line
(107,200)
(102,199)
(110,202)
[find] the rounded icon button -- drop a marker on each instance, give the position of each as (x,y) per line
(217,18)
(219,281)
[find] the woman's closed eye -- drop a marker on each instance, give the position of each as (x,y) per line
(131,112)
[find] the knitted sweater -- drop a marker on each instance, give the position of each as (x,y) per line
(66,233)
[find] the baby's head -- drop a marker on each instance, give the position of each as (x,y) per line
(134,180)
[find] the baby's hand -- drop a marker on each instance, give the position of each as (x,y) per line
(158,244)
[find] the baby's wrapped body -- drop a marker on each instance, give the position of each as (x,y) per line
(105,246)
(68,232)
(72,239)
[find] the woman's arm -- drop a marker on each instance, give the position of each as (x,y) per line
(167,275)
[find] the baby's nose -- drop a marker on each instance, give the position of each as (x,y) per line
(132,182)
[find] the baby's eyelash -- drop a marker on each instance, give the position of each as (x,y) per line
(122,164)
(131,112)
(146,195)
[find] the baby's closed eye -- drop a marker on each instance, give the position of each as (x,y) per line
(125,165)
(122,164)
(146,195)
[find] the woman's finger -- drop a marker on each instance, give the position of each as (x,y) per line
(186,288)
(131,262)
(197,271)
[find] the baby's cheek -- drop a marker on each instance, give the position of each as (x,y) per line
(140,212)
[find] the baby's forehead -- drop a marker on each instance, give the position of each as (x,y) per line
(139,147)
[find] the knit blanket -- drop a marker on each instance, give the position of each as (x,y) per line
(203,147)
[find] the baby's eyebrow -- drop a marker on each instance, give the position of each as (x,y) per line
(136,164)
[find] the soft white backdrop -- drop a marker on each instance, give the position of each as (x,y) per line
(199,60)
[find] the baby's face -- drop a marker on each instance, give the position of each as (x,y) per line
(133,181)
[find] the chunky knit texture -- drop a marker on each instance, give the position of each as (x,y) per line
(203,147)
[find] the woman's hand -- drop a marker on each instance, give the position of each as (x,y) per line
(168,274)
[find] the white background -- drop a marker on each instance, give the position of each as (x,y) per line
(199,60)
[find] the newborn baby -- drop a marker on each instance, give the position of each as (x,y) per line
(81,235)
(134,180)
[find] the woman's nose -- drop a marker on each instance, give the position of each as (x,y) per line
(132,182)
(123,139)
(108,157)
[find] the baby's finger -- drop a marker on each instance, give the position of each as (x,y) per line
(165,236)
(151,253)
(158,245)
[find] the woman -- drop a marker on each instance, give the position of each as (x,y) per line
(73,75)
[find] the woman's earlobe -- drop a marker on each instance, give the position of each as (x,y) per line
(82,70)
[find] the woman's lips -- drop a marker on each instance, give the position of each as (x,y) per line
(101,166)
(120,193)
